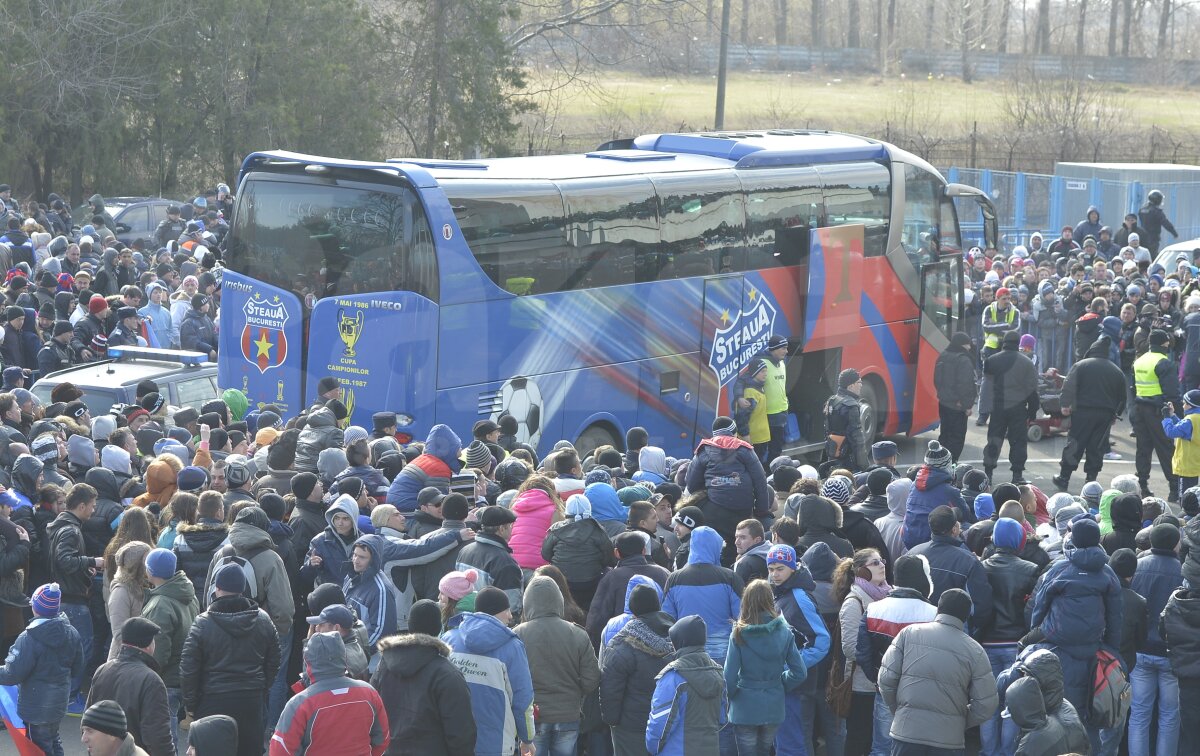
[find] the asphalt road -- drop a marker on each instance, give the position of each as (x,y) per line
(1041,467)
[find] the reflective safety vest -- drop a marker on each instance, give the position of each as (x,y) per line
(993,339)
(1186,459)
(1145,380)
(776,387)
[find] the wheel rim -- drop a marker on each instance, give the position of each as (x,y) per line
(867,416)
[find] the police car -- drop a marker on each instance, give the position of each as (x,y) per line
(185,379)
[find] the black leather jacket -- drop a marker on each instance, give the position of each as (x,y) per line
(1012,580)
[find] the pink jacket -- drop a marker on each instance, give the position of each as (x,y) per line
(535,513)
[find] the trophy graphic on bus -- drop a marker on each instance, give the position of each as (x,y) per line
(350,329)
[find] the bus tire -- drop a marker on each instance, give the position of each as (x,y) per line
(874,409)
(593,438)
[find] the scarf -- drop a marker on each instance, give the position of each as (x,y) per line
(876,592)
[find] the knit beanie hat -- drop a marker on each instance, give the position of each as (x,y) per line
(938,456)
(254,516)
(912,571)
(1085,533)
(1164,536)
(1008,534)
(643,600)
(985,506)
(425,618)
(47,600)
(877,480)
(782,554)
(724,426)
(1124,563)
(230,579)
(107,717)
(479,456)
(303,484)
(597,475)
(579,507)
(192,478)
(63,326)
(456,584)
(381,514)
(272,505)
(956,602)
(354,433)
(976,480)
(492,600)
(688,631)
(837,489)
(97,304)
(160,563)
(139,632)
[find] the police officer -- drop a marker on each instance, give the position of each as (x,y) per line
(1014,403)
(776,392)
(954,380)
(170,228)
(1155,385)
(1093,396)
(845,445)
(1152,218)
(999,318)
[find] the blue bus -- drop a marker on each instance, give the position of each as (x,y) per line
(586,294)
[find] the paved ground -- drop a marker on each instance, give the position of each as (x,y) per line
(1042,465)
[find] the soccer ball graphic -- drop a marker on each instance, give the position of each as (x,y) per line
(521,398)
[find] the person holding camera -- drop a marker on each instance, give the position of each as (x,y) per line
(1156,389)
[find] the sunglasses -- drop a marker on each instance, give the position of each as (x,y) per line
(877,562)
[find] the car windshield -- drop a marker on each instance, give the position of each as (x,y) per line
(99,401)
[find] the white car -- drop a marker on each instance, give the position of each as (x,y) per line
(1169,255)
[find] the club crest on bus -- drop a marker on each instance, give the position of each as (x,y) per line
(263,341)
(743,336)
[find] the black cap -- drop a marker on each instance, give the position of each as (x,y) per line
(430,495)
(139,632)
(328,383)
(484,427)
(13,312)
(383,420)
(199,300)
(63,326)
(496,516)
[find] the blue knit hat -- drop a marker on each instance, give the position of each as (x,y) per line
(985,507)
(192,478)
(782,554)
(160,563)
(47,600)
(1008,534)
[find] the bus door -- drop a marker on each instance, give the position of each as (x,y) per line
(941,316)
(737,322)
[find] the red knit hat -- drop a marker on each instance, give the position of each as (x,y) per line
(97,304)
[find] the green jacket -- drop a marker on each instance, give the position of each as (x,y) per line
(173,607)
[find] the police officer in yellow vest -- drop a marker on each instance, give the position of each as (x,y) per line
(1156,389)
(1186,461)
(776,391)
(999,318)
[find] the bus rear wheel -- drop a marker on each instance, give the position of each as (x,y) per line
(874,408)
(593,438)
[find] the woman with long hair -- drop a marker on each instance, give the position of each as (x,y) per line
(136,525)
(857,582)
(572,612)
(763,663)
(183,511)
(128,586)
(537,507)
(456,596)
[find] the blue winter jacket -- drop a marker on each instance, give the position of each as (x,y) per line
(370,595)
(42,661)
(494,662)
(794,600)
(759,670)
(1159,573)
(1111,327)
(434,467)
(1077,602)
(621,620)
(332,548)
(706,588)
(688,707)
(932,488)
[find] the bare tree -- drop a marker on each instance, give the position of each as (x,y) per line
(1081,26)
(1042,30)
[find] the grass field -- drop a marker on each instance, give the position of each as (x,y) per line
(622,103)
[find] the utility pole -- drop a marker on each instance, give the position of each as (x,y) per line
(722,66)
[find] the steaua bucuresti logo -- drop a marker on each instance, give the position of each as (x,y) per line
(742,335)
(264,343)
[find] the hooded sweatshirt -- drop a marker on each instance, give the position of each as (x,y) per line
(272,590)
(562,663)
(46,656)
(370,594)
(213,736)
(494,661)
(434,467)
(891,526)
(706,588)
(621,620)
(652,465)
(689,703)
(334,550)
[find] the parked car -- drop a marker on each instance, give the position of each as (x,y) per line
(136,217)
(1169,256)
(186,379)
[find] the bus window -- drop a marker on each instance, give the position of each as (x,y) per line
(612,223)
(920,235)
(859,193)
(321,239)
(702,227)
(951,241)
(516,230)
(782,207)
(941,294)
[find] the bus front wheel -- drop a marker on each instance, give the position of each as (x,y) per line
(593,438)
(874,407)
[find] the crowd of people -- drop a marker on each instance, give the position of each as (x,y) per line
(72,288)
(225,582)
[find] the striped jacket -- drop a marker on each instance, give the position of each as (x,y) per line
(883,621)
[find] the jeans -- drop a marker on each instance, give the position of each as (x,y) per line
(1110,739)
(278,694)
(998,736)
(754,740)
(174,701)
(556,739)
(815,710)
(881,737)
(791,738)
(45,736)
(1153,681)
(80,617)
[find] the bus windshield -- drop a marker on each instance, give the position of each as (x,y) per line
(317,238)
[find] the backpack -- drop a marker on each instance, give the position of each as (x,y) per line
(1111,693)
(227,555)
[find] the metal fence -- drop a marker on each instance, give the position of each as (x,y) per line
(1028,202)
